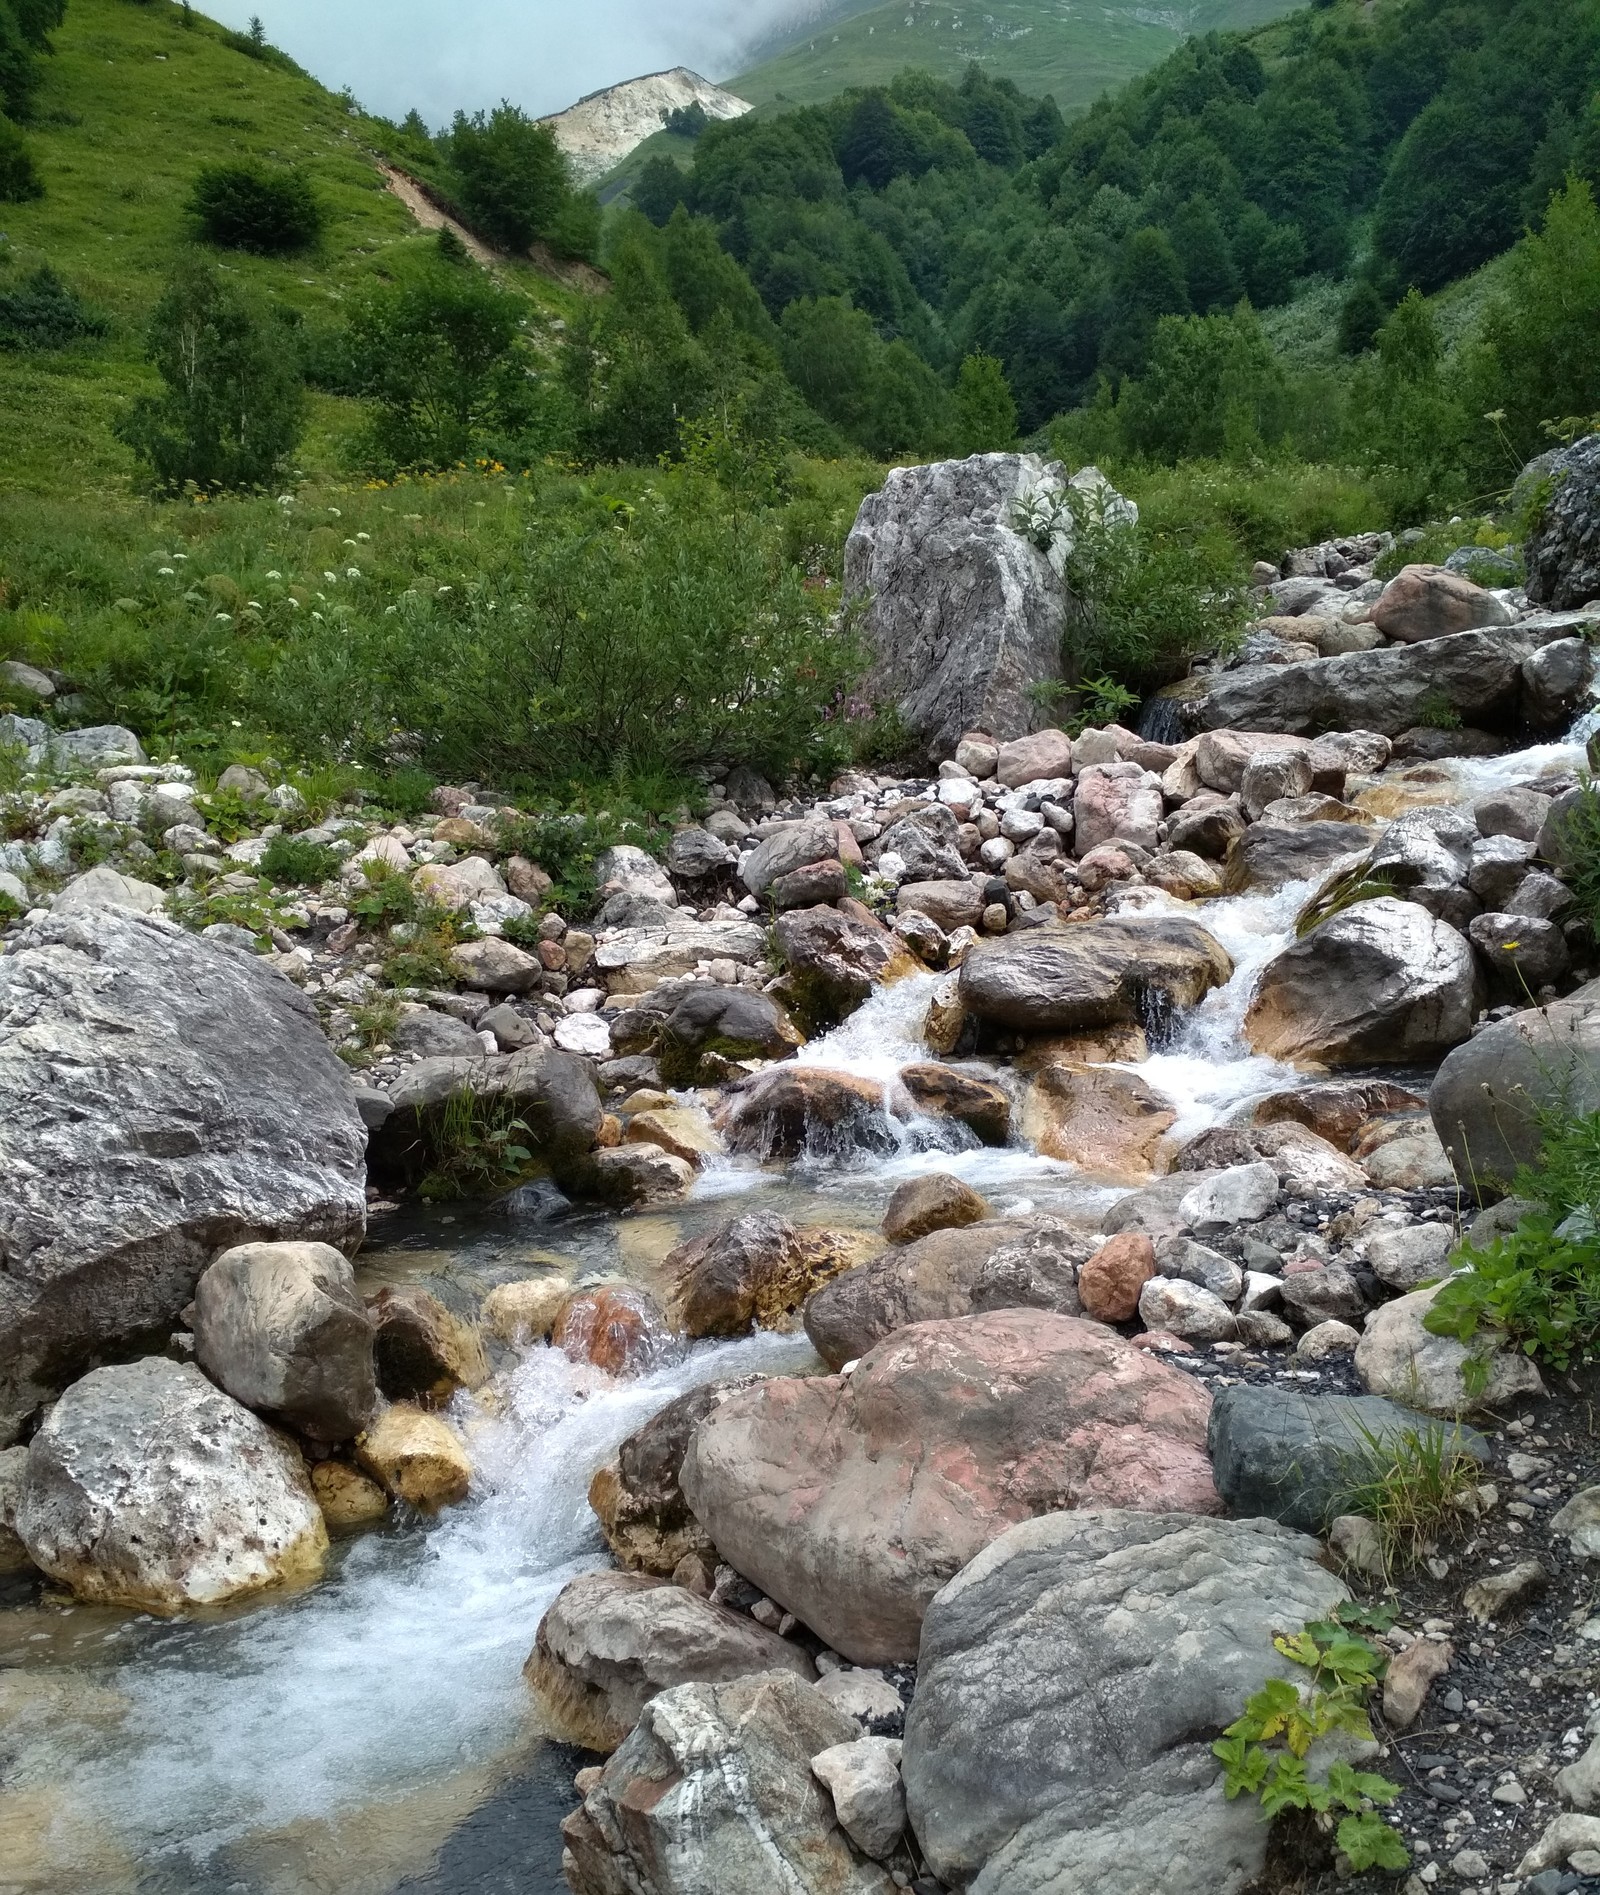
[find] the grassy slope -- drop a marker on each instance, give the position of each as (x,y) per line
(1075,51)
(132,106)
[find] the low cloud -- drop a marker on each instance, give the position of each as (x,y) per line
(541,54)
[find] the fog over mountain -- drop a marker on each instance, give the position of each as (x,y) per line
(441,55)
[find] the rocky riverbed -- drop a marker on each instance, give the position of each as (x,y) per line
(978,1215)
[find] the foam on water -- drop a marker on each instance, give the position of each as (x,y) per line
(404,1667)
(880,1037)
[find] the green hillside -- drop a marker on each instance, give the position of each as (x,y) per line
(1074,51)
(135,100)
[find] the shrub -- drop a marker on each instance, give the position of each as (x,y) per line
(1538,1290)
(234,405)
(1419,1488)
(1580,844)
(986,414)
(513,177)
(19,176)
(291,861)
(270,210)
(479,1147)
(42,313)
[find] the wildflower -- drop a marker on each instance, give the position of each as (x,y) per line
(352,572)
(274,575)
(224,618)
(286,500)
(180,556)
(295,603)
(332,578)
(349,542)
(336,513)
(317,616)
(363,536)
(253,604)
(444,589)
(167,572)
(235,722)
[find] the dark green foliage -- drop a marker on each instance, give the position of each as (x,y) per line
(1362,316)
(268,209)
(292,862)
(19,175)
(986,415)
(19,65)
(1534,1289)
(40,312)
(662,186)
(1213,389)
(687,121)
(234,405)
(514,182)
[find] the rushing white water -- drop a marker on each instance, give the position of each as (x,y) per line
(881,1036)
(404,1667)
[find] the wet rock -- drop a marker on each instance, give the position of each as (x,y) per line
(932,1202)
(634,1175)
(1110,1282)
(714,1791)
(1425,602)
(934,1277)
(1282,1454)
(612,1641)
(13,1554)
(852,1500)
(1487,1095)
(1400,1359)
(835,960)
(423,1352)
(349,1501)
(1562,567)
(794,1110)
(636,1497)
(684,1131)
(1056,1740)
(945,1092)
(1269,857)
(1185,1309)
(1105,973)
(686,1024)
(150,1489)
(414,1457)
(863,1779)
(617,1328)
(1381,982)
(1184,876)
(1101,1118)
(756,1272)
(1337,1110)
(552,1093)
(162,1098)
(282,1329)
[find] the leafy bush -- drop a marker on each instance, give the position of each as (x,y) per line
(1264,1752)
(567,847)
(270,210)
(514,180)
(1580,845)
(234,406)
(1536,1289)
(291,861)
(19,176)
(42,313)
(479,1147)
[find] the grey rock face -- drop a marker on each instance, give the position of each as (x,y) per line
(714,1791)
(611,1641)
(1278,1454)
(1479,673)
(1526,952)
(1563,553)
(283,1330)
(927,845)
(552,1092)
(964,614)
(161,1097)
(147,1487)
(1268,856)
(1072,1679)
(1485,1096)
(433,1035)
(1107,973)
(791,846)
(864,1780)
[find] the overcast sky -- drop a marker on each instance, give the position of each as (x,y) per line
(441,55)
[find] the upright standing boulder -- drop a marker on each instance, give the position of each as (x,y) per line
(1563,552)
(965,613)
(148,1488)
(283,1330)
(162,1097)
(1071,1680)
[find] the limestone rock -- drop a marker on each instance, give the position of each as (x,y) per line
(612,1641)
(282,1329)
(161,1098)
(148,1488)
(714,1791)
(1563,564)
(1110,1282)
(1105,1120)
(416,1458)
(793,1110)
(1042,757)
(1184,1309)
(1410,1677)
(1425,602)
(552,1092)
(946,1092)
(935,1201)
(1400,1359)
(424,1352)
(103,887)
(835,960)
(790,846)
(755,1272)
(1382,982)
(1106,973)
(863,1779)
(1071,1680)
(349,1501)
(1414,1254)
(13,1554)
(851,1500)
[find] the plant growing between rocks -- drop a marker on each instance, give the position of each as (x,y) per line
(476,1150)
(1419,1488)
(1264,1753)
(291,861)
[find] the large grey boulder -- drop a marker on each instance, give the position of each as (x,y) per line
(714,1792)
(964,613)
(791,846)
(1382,982)
(161,1097)
(1102,973)
(283,1330)
(147,1487)
(1563,551)
(1399,1357)
(612,1641)
(1072,1679)
(1478,674)
(1283,1454)
(1487,1096)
